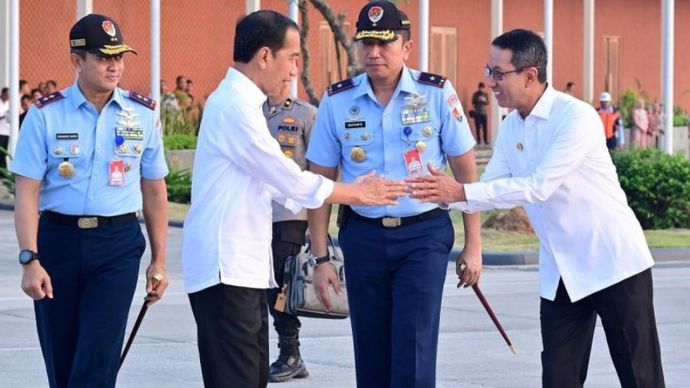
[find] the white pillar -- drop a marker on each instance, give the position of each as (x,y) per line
(496,30)
(253,5)
(84,7)
(548,39)
(667,21)
(424,35)
(588,54)
(155,91)
(5,44)
(293,14)
(13,114)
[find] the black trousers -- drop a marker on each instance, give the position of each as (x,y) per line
(232,333)
(480,126)
(627,315)
(288,238)
(4,143)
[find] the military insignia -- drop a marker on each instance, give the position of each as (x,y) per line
(420,146)
(281,138)
(354,111)
(340,86)
(128,166)
(375,14)
(74,149)
(432,79)
(407,131)
(427,131)
(109,28)
(128,127)
(364,136)
(288,103)
(49,99)
(520,147)
(143,100)
(457,113)
(66,169)
(452,100)
(346,136)
(288,153)
(357,154)
(415,101)
(289,120)
(122,148)
(57,150)
(292,139)
(138,148)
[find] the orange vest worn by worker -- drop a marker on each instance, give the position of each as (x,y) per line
(609,119)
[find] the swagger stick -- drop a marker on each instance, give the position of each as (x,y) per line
(482,299)
(155,279)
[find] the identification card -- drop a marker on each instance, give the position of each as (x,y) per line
(413,162)
(281,299)
(116,172)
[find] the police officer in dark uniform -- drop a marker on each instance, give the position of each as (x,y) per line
(392,120)
(290,121)
(88,159)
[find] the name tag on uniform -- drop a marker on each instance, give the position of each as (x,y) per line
(67,136)
(355,124)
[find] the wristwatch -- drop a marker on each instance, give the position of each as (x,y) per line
(26,256)
(317,261)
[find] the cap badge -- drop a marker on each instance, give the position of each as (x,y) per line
(109,28)
(375,13)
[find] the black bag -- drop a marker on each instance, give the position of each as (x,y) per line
(298,296)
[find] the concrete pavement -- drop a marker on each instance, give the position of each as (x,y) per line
(471,352)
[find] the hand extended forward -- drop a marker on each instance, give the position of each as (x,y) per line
(436,187)
(373,190)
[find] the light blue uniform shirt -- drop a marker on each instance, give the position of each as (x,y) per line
(429,113)
(70,129)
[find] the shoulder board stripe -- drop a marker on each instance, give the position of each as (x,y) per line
(143,100)
(432,79)
(49,99)
(340,86)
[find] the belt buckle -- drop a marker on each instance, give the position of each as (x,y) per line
(391,222)
(87,222)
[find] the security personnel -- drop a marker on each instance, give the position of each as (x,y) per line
(290,122)
(87,159)
(392,120)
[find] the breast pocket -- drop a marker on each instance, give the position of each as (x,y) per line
(130,152)
(65,150)
(422,132)
(359,137)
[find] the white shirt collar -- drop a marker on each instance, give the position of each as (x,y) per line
(253,94)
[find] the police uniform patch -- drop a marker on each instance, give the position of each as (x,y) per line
(143,100)
(432,79)
(340,86)
(49,99)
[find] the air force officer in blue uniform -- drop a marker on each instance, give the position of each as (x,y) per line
(392,120)
(88,158)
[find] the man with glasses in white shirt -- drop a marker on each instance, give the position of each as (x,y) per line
(550,157)
(239,169)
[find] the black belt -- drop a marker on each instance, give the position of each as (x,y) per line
(86,222)
(394,222)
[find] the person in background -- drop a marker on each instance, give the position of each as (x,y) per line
(480,101)
(610,118)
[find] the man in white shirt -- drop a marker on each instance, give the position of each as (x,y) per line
(550,157)
(4,125)
(239,169)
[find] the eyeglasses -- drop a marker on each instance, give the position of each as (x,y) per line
(497,75)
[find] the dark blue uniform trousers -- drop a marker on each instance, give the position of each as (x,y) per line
(94,274)
(395,281)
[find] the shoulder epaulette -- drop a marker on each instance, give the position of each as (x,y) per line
(288,103)
(49,99)
(340,86)
(432,79)
(143,100)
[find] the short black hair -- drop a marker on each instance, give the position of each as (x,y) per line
(22,82)
(25,97)
(481,85)
(259,29)
(5,90)
(51,82)
(528,50)
(569,84)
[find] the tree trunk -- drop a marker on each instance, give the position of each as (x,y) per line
(304,47)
